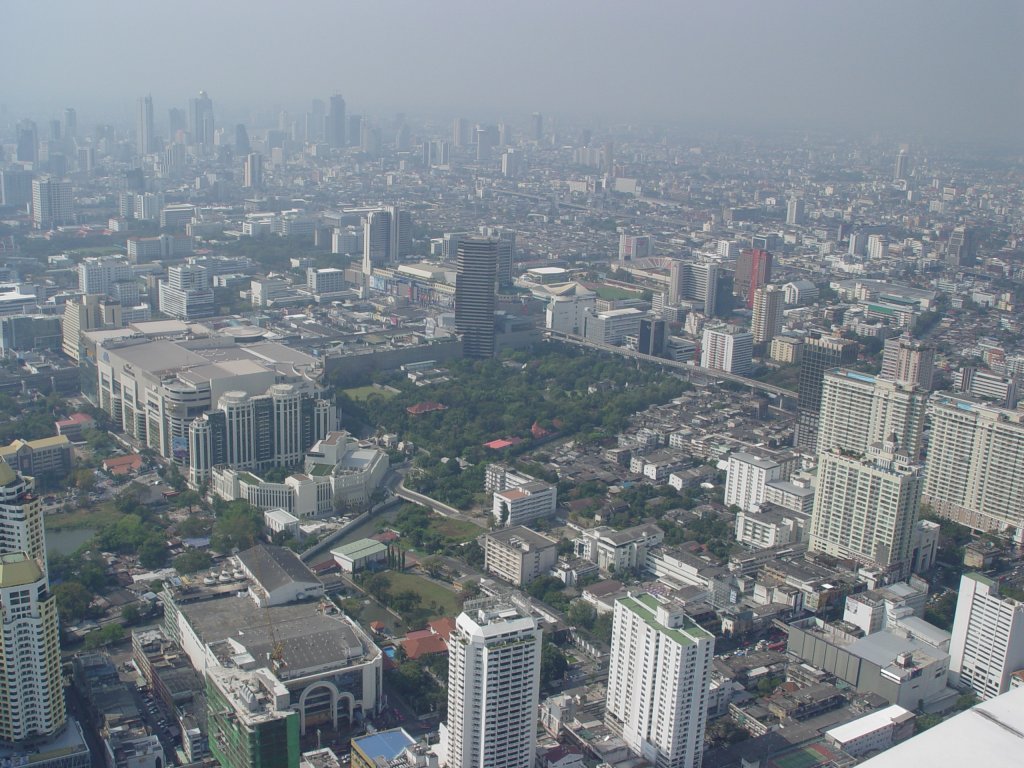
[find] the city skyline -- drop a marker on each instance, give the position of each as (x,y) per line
(801,66)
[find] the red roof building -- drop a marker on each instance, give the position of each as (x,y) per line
(427,407)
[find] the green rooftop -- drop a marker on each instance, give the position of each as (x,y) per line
(356,550)
(18,569)
(646,606)
(321,470)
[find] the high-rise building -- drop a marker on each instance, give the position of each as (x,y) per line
(251,722)
(900,169)
(537,127)
(795,212)
(99,274)
(753,271)
(697,282)
(32,707)
(634,247)
(819,355)
(962,249)
(200,120)
(15,187)
(70,124)
(87,313)
(659,675)
(258,433)
(27,150)
(865,507)
(52,203)
(506,252)
(766,322)
(461,134)
(726,349)
(335,125)
(493,688)
(908,361)
(144,139)
(253,176)
(858,410)
(186,293)
(476,265)
(651,340)
(987,646)
(974,460)
(21,515)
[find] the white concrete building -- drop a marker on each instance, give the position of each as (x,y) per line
(988,637)
(874,732)
(726,349)
(616,551)
(524,502)
(770,526)
(658,679)
(614,325)
(519,555)
(494,659)
(747,476)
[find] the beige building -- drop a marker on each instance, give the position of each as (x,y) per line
(47,455)
(519,555)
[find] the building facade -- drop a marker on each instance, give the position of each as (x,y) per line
(475,299)
(988,637)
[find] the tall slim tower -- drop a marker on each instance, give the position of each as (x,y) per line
(200,119)
(658,678)
(819,355)
(144,143)
(900,170)
(865,508)
(493,688)
(335,123)
(32,704)
(21,515)
(766,323)
(476,265)
(253,171)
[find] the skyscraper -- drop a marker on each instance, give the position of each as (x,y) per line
(819,355)
(766,323)
(865,508)
(962,249)
(335,126)
(200,120)
(144,140)
(795,212)
(858,410)
(493,688)
(21,515)
(726,349)
(28,142)
(753,271)
(900,169)
(253,171)
(988,637)
(908,361)
(658,678)
(52,203)
(387,236)
(70,124)
(698,282)
(461,132)
(476,265)
(537,127)
(506,252)
(974,460)
(32,694)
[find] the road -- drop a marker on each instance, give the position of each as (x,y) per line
(711,373)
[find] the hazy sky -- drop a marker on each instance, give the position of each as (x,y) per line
(950,66)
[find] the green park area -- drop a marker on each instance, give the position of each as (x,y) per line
(364,393)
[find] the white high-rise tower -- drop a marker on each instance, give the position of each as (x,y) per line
(658,680)
(493,688)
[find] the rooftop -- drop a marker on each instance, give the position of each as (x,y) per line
(275,567)
(356,550)
(383,744)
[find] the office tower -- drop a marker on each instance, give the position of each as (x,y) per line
(177,123)
(537,127)
(21,515)
(974,463)
(753,271)
(506,252)
(200,120)
(355,123)
(987,646)
(962,249)
(242,145)
(795,212)
(99,274)
(440,153)
(52,203)
(908,361)
(865,507)
(32,704)
(144,139)
(726,349)
(510,163)
(316,121)
(900,169)
(376,239)
(253,176)
(819,355)
(15,187)
(70,124)
(335,125)
(54,132)
(651,340)
(698,282)
(461,132)
(659,674)
(87,313)
(766,323)
(476,270)
(186,293)
(858,410)
(485,137)
(634,247)
(27,150)
(493,687)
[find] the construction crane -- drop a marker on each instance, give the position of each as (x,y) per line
(276,646)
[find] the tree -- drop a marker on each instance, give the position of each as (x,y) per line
(553,664)
(73,601)
(192,561)
(131,613)
(238,526)
(154,553)
(378,585)
(98,638)
(582,614)
(84,479)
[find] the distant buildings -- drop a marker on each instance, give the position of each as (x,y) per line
(658,679)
